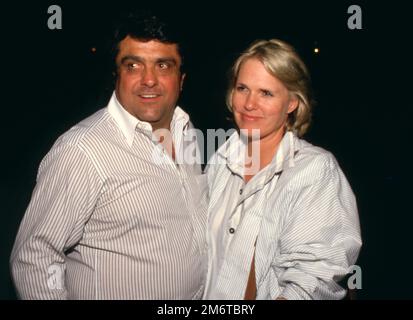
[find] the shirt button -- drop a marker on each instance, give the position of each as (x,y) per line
(240,191)
(231,230)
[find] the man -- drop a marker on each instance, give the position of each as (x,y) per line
(107,221)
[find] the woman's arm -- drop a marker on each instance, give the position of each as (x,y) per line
(321,239)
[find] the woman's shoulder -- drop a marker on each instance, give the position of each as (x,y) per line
(316,156)
(312,163)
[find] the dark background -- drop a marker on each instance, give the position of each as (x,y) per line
(361,79)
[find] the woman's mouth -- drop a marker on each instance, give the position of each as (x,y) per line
(247,117)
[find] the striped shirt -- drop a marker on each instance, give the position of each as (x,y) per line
(298,215)
(107,222)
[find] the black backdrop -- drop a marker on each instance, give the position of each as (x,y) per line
(52,79)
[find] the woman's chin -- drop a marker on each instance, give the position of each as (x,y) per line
(250,133)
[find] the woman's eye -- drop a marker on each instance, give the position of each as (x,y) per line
(241,88)
(267,93)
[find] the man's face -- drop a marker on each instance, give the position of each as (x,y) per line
(149,80)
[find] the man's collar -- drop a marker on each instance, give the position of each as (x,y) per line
(128,124)
(180,117)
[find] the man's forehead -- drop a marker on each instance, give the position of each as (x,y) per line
(151,49)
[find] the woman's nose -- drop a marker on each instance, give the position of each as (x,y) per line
(250,102)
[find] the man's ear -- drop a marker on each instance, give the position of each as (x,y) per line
(182,81)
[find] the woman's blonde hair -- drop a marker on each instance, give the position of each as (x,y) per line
(282,61)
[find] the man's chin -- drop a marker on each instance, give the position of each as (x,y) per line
(151,120)
(156,121)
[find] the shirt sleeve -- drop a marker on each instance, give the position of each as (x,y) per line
(65,195)
(321,239)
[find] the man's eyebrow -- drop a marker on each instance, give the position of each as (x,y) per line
(131,57)
(171,60)
(167,59)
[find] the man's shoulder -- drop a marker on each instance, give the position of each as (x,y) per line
(86,130)
(76,143)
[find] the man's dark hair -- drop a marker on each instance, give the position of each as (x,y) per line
(145,26)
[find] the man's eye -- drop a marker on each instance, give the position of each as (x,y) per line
(132,66)
(163,65)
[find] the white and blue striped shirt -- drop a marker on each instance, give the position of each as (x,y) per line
(298,215)
(107,222)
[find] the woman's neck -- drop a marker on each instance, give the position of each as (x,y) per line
(266,149)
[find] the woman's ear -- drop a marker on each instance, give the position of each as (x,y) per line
(293,104)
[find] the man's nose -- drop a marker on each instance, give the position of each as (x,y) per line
(149,78)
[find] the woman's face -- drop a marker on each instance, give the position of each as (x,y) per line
(261,101)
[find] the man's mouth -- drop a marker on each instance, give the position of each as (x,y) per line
(149,96)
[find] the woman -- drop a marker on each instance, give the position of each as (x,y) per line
(283,221)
